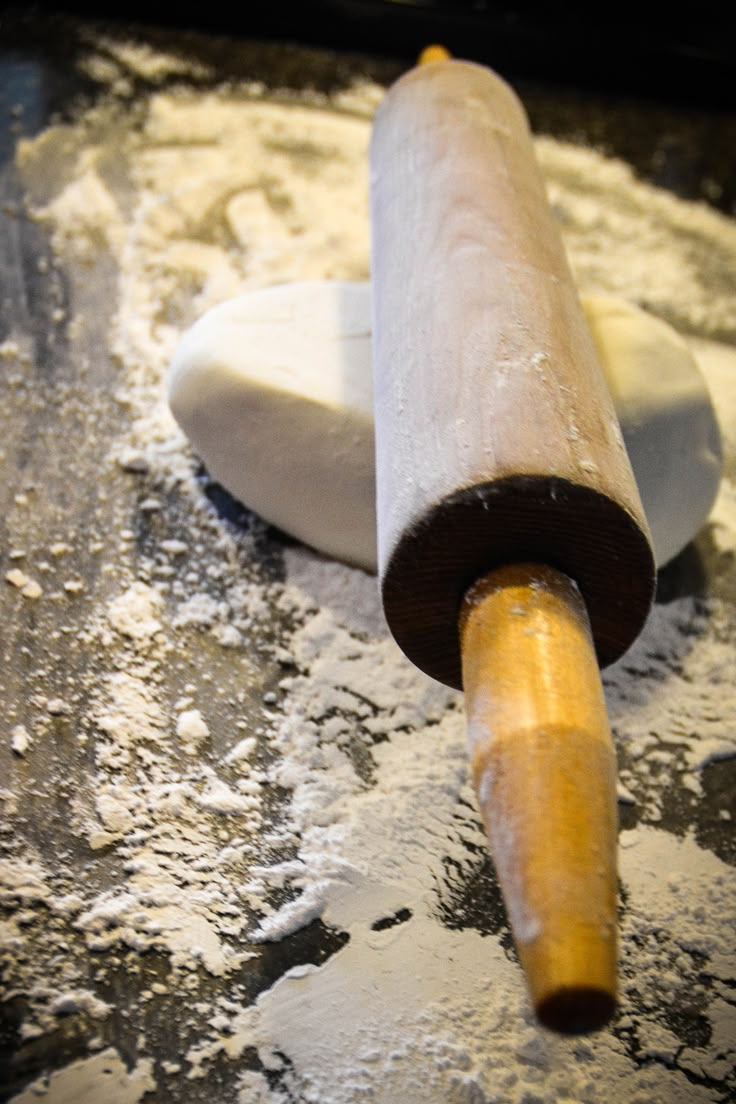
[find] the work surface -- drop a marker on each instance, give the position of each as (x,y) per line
(241,861)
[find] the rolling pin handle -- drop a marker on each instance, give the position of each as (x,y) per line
(435,52)
(543,767)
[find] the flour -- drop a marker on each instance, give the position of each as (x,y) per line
(191,729)
(463,1034)
(256,758)
(111,58)
(133,614)
(20,741)
(673,258)
(85,1082)
(29,588)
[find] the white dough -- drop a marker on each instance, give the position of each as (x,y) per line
(274,391)
(666,417)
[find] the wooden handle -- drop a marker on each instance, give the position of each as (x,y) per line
(543,766)
(435,52)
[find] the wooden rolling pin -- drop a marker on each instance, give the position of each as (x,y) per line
(513,550)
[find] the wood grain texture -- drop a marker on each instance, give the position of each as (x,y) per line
(544,770)
(496,437)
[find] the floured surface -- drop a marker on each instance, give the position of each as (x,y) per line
(84,1082)
(242,861)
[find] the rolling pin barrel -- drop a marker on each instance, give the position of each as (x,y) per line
(513,550)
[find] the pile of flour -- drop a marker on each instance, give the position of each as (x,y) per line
(258,756)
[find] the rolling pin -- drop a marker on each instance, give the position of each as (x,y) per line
(514,555)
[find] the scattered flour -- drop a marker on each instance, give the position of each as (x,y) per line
(675,259)
(133,614)
(29,588)
(192,729)
(102,1077)
(20,741)
(258,759)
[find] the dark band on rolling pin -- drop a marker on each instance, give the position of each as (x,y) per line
(574,528)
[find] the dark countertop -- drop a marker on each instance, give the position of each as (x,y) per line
(686,148)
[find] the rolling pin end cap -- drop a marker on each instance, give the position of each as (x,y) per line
(572,977)
(576,1010)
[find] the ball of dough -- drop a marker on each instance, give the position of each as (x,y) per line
(666,417)
(274,391)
